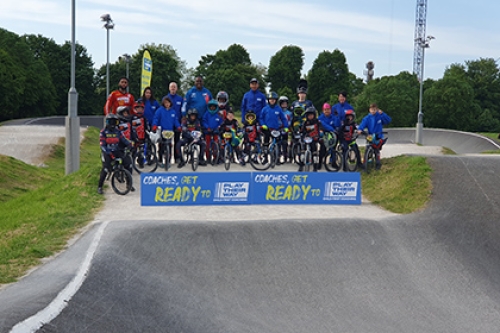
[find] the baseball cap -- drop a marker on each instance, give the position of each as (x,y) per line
(254,80)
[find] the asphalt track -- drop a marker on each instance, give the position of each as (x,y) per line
(437,270)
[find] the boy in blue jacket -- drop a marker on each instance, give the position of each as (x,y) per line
(373,123)
(165,117)
(211,123)
(272,117)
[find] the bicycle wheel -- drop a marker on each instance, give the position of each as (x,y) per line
(121,181)
(333,160)
(307,160)
(369,161)
(195,157)
(259,160)
(227,156)
(145,159)
(214,153)
(351,161)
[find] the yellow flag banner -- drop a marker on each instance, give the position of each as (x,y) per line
(147,71)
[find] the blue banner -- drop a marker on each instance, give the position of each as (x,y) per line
(244,188)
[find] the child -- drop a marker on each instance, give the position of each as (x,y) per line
(211,123)
(125,123)
(223,102)
(330,123)
(311,128)
(347,136)
(373,123)
(231,125)
(251,131)
(166,117)
(112,142)
(190,124)
(286,138)
(139,122)
(272,117)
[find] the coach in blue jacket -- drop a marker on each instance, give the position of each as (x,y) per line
(197,98)
(253,100)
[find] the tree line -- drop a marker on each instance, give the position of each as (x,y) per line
(35,79)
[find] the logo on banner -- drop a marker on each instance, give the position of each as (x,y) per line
(340,190)
(231,191)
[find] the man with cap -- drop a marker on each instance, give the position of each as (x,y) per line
(253,100)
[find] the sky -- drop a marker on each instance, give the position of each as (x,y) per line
(381,31)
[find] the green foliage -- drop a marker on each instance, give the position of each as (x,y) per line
(396,95)
(229,70)
(328,76)
(450,104)
(285,68)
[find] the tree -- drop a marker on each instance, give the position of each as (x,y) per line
(450,103)
(285,68)
(397,95)
(167,67)
(328,76)
(229,70)
(29,77)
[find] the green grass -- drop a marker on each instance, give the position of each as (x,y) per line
(41,208)
(403,185)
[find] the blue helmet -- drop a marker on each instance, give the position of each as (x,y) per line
(213,106)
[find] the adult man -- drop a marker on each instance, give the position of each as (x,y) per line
(119,97)
(253,100)
(197,98)
(177,106)
(340,108)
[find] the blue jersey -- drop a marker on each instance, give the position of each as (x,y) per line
(211,121)
(197,99)
(177,102)
(150,107)
(331,123)
(253,100)
(340,109)
(374,122)
(166,118)
(273,117)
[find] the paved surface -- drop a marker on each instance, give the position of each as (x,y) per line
(285,268)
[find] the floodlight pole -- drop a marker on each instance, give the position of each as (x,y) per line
(72,145)
(424,43)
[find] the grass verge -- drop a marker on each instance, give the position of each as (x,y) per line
(41,208)
(403,185)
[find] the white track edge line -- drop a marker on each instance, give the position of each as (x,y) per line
(35,322)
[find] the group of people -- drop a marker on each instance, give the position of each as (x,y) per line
(128,120)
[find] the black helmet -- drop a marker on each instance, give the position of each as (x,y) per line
(311,110)
(111,120)
(192,112)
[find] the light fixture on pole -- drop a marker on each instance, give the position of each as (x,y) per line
(424,43)
(127,59)
(72,150)
(108,25)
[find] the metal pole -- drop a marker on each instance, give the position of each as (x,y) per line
(72,147)
(420,121)
(107,62)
